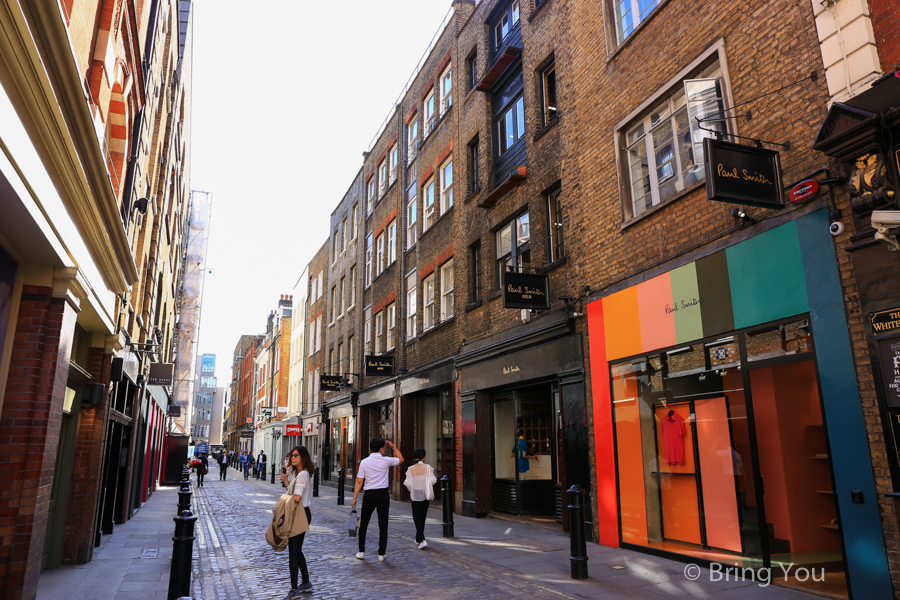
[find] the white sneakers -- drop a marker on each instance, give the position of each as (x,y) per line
(381,558)
(360,555)
(423,545)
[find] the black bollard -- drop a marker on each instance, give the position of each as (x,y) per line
(578,545)
(184,500)
(341,486)
(180,573)
(447,503)
(316,483)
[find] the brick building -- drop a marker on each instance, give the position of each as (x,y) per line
(275,379)
(314,350)
(91,231)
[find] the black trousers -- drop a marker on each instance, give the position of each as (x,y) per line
(223,472)
(420,511)
(375,500)
(295,554)
(200,476)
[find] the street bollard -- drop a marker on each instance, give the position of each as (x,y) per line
(184,500)
(447,503)
(578,545)
(316,483)
(180,573)
(341,486)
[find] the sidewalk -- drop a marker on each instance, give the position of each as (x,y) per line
(118,572)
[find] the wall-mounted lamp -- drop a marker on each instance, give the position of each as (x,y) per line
(141,205)
(740,213)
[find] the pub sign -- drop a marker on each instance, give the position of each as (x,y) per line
(331,383)
(742,174)
(525,290)
(379,366)
(161,374)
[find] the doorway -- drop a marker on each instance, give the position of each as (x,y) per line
(524,451)
(435,435)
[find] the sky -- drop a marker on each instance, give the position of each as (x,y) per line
(287,95)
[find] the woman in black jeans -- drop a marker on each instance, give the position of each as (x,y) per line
(298,480)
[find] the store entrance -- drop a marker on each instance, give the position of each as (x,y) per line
(524,451)
(435,435)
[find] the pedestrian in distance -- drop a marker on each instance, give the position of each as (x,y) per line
(223,467)
(261,464)
(284,467)
(372,475)
(201,466)
(298,480)
(246,459)
(420,482)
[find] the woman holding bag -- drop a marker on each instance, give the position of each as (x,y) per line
(298,480)
(420,481)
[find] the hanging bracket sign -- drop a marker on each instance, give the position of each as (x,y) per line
(743,174)
(379,366)
(161,374)
(525,290)
(331,383)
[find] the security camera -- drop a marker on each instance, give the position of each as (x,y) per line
(886,222)
(836,228)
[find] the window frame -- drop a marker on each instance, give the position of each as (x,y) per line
(344,237)
(412,220)
(367,329)
(429,217)
(379,330)
(428,308)
(446,92)
(474,272)
(343,296)
(430,101)
(391,311)
(555,223)
(379,260)
(369,257)
(473,152)
(411,305)
(382,177)
(513,16)
(371,194)
(333,304)
(354,221)
(447,291)
(392,242)
(516,249)
(472,69)
(546,107)
(352,287)
(619,34)
(446,189)
(412,138)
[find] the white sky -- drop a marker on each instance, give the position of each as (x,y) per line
(287,95)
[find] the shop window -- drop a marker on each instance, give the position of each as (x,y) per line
(435,433)
(548,94)
(512,245)
(384,421)
(663,149)
(447,290)
(555,226)
(428,303)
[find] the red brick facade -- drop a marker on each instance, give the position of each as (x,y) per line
(886,25)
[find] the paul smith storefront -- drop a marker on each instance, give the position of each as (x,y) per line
(529,388)
(728,427)
(339,439)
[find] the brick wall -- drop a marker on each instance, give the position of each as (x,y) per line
(29,434)
(886,25)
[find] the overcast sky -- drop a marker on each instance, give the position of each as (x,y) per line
(287,95)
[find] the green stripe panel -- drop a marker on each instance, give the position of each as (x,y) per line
(767,278)
(715,294)
(686,297)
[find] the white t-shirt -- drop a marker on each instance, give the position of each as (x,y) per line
(374,469)
(299,486)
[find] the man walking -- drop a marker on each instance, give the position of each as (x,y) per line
(373,472)
(223,466)
(261,464)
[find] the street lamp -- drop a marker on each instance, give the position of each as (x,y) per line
(276,435)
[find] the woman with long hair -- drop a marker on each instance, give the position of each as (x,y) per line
(298,480)
(420,481)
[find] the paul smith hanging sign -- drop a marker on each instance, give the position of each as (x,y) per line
(525,290)
(742,174)
(379,366)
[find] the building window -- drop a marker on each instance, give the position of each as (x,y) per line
(353,221)
(312,337)
(411,306)
(472,69)
(394,155)
(513,247)
(412,218)
(333,303)
(353,286)
(412,139)
(474,272)
(548,94)
(473,167)
(511,125)
(319,333)
(379,330)
(368,260)
(335,246)
(370,200)
(331,363)
(555,225)
(340,359)
(351,354)
(664,148)
(392,242)
(344,237)
(446,90)
(447,186)
(429,204)
(506,23)
(447,290)
(382,178)
(391,325)
(343,298)
(428,303)
(629,13)
(430,120)
(368,331)
(379,261)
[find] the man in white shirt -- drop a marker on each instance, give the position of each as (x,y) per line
(373,471)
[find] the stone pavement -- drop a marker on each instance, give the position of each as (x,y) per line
(118,571)
(489,558)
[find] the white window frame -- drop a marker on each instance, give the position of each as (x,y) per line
(352,287)
(394,159)
(412,139)
(412,221)
(624,13)
(382,177)
(343,297)
(351,342)
(513,116)
(429,211)
(354,219)
(312,337)
(371,197)
(319,333)
(411,305)
(344,237)
(428,312)
(321,285)
(447,186)
(555,216)
(368,332)
(446,89)
(391,325)
(447,295)
(379,256)
(334,250)
(340,358)
(333,303)
(379,330)
(369,251)
(392,242)
(432,116)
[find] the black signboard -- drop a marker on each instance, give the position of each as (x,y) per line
(161,374)
(889,357)
(173,410)
(246,434)
(379,366)
(885,321)
(525,290)
(742,174)
(331,383)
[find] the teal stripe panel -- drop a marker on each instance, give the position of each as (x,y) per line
(860,523)
(766,277)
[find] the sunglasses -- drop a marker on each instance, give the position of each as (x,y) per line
(295,454)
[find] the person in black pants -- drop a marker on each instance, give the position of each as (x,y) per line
(202,469)
(223,466)
(298,481)
(373,472)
